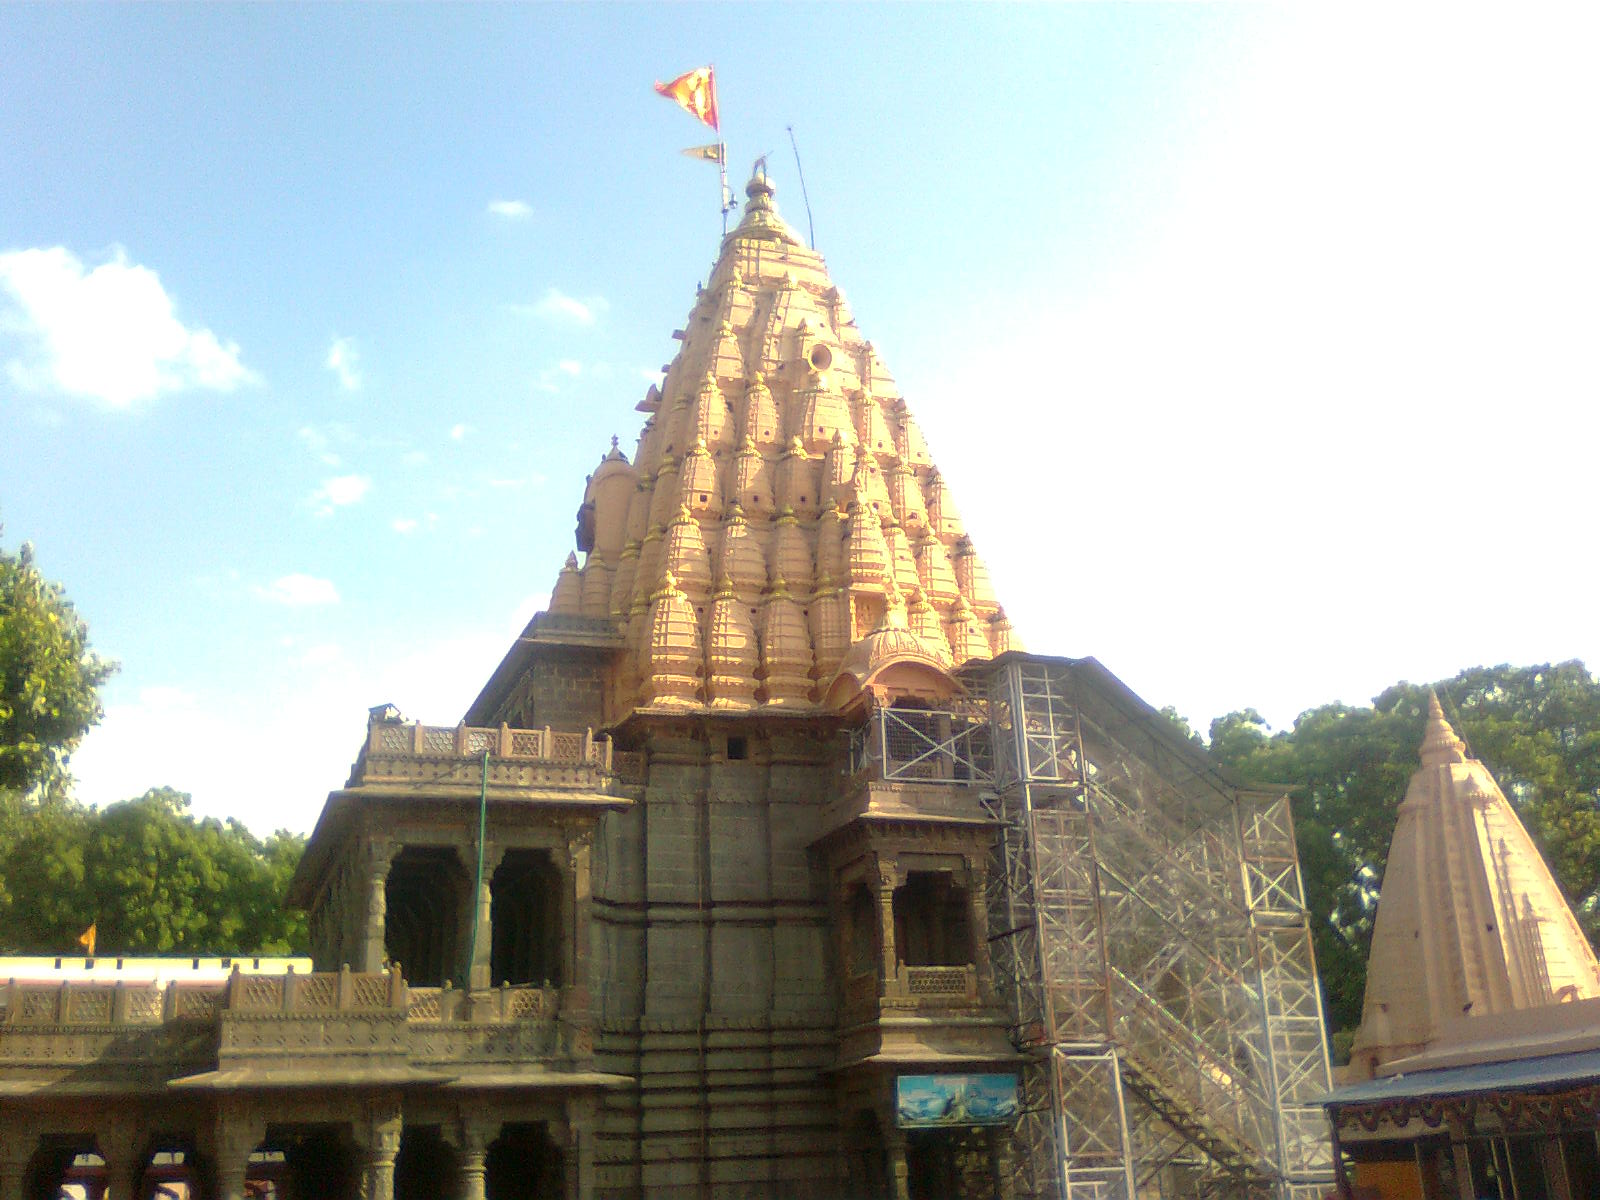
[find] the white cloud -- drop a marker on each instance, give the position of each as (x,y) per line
(570,366)
(558,306)
(299,591)
(404,525)
(414,458)
(459,432)
(339,492)
(344,360)
(107,334)
(319,444)
(511,210)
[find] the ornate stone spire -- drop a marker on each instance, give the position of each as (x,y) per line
(732,651)
(675,661)
(1440,745)
(1470,922)
(785,649)
(565,598)
(773,400)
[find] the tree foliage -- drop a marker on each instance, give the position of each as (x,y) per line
(149,875)
(1536,728)
(49,678)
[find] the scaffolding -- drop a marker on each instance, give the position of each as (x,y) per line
(1147,924)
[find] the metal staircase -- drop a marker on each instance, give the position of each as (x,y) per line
(1147,924)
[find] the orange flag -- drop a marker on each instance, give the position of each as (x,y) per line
(696,92)
(88,939)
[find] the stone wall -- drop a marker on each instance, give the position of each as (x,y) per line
(565,690)
(712,941)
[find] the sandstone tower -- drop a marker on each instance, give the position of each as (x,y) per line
(766,864)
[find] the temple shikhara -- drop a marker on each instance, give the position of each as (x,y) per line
(767,863)
(1476,1070)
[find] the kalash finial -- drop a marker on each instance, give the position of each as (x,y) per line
(761,217)
(760,183)
(1440,745)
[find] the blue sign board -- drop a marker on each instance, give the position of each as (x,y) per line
(928,1101)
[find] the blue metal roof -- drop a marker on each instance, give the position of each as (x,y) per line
(1549,1071)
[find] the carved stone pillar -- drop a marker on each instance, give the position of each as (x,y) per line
(17,1144)
(575,926)
(472,1149)
(122,1147)
(379,1135)
(578,1150)
(894,1140)
(377,883)
(236,1133)
(978,918)
(478,927)
(888,880)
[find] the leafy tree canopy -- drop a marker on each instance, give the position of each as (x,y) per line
(49,678)
(1536,728)
(149,875)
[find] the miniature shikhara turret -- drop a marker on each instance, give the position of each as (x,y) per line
(780,495)
(1471,925)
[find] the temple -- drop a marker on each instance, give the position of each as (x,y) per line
(765,864)
(1476,1069)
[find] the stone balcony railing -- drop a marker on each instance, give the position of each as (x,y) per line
(340,1019)
(406,752)
(914,988)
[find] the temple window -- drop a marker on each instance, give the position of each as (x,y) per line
(525,916)
(424,902)
(932,926)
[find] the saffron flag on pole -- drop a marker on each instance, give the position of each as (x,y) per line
(87,940)
(695,92)
(709,153)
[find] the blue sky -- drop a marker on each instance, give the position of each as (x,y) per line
(1257,343)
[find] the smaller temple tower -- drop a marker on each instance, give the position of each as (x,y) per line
(1471,926)
(1476,1069)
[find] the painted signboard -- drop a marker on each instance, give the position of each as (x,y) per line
(923,1101)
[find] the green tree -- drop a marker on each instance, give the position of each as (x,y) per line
(149,875)
(162,882)
(49,677)
(1536,728)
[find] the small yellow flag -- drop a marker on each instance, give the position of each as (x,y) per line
(87,940)
(709,153)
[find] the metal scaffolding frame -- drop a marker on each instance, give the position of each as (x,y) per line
(1148,925)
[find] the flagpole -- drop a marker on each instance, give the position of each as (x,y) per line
(726,198)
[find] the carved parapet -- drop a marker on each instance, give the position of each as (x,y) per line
(110,1032)
(399,752)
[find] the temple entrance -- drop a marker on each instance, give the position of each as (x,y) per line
(426,1167)
(523,1164)
(320,1162)
(947,1164)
